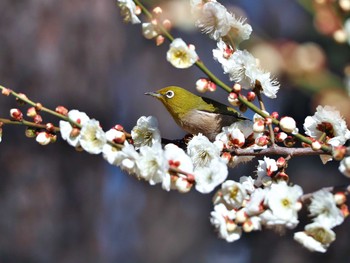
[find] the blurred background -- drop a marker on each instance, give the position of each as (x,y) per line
(59,205)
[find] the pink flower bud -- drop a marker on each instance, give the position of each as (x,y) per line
(288,124)
(233,99)
(251,95)
(138,10)
(183,185)
(43,138)
(202,85)
(119,127)
(226,156)
(61,110)
(38,106)
(344,210)
(6,92)
(281,136)
(157,10)
(120,137)
(262,141)
(237,88)
(50,127)
(275,115)
(31,112)
(38,119)
(281,162)
(259,126)
(167,24)
(16,114)
(211,86)
(159,40)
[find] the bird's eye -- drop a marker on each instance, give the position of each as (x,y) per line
(169,94)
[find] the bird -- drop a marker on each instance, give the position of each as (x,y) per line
(196,114)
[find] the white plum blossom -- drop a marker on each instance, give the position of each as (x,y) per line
(233,194)
(224,222)
(316,237)
(247,183)
(176,158)
(110,153)
(127,159)
(242,67)
(43,138)
(344,166)
(202,151)
(265,169)
(128,10)
(327,120)
(70,134)
(217,22)
(92,137)
(152,165)
(209,177)
(181,55)
(283,206)
(255,206)
(324,209)
(145,132)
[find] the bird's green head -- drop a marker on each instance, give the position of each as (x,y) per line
(178,101)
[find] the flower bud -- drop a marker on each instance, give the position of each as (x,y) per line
(340,198)
(119,137)
(38,106)
(288,124)
(259,126)
(345,5)
(43,138)
(38,119)
(6,92)
(167,24)
(275,115)
(262,141)
(119,127)
(316,145)
(282,176)
(159,40)
(233,99)
(62,110)
(53,138)
(339,152)
(31,112)
(211,86)
(251,96)
(21,99)
(226,156)
(16,114)
(237,88)
(50,127)
(157,10)
(30,133)
(202,85)
(281,162)
(281,136)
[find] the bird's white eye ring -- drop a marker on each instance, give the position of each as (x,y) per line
(169,94)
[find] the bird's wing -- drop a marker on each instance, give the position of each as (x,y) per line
(217,107)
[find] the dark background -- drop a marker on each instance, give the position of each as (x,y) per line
(60,205)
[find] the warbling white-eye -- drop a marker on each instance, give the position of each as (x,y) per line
(196,114)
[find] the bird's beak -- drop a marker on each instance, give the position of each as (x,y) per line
(153,94)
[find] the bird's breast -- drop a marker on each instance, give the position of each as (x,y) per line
(207,123)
